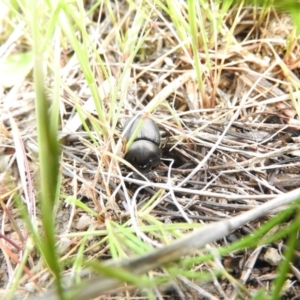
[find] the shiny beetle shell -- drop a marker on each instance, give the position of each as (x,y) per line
(144,152)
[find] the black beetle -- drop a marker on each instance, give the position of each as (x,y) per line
(144,152)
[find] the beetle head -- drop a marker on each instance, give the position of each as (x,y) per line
(143,155)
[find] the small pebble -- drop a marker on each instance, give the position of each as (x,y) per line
(83,222)
(272,257)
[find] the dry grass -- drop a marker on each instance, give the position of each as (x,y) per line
(229,144)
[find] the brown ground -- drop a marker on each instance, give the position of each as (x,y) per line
(247,94)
